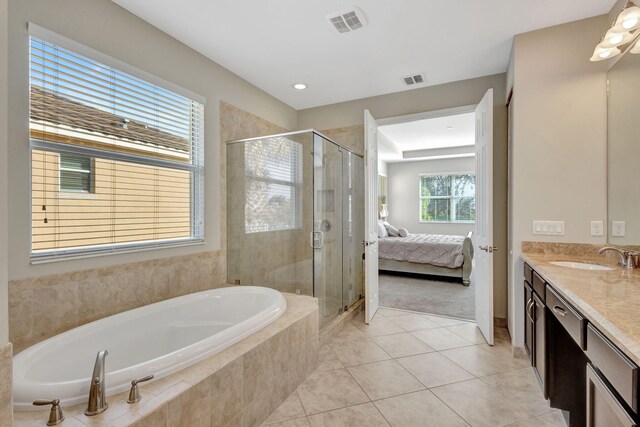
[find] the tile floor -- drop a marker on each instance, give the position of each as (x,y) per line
(408,369)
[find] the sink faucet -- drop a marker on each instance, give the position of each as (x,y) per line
(628,259)
(97,401)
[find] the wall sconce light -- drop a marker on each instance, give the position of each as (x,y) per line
(384,213)
(619,34)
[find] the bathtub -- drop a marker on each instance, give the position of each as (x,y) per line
(158,339)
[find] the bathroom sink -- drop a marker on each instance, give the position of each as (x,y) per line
(580,265)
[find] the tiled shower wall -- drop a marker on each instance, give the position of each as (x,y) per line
(44,306)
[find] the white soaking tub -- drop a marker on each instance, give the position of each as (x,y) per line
(158,339)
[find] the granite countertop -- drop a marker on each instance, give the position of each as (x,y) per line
(610,300)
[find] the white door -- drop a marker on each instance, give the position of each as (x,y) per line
(482,273)
(370,216)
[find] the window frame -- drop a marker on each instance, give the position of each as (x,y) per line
(451,197)
(196,167)
(90,172)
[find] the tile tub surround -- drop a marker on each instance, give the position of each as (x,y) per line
(45,306)
(608,299)
(398,382)
(6,379)
(240,386)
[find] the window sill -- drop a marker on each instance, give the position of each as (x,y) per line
(49,258)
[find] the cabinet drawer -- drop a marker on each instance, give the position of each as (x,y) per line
(538,285)
(618,369)
(570,319)
(528,272)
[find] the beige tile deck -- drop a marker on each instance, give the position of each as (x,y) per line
(443,375)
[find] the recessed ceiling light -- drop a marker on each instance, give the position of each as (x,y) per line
(300,86)
(449,127)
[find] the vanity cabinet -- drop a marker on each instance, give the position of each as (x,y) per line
(581,371)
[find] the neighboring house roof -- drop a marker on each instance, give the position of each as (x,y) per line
(49,107)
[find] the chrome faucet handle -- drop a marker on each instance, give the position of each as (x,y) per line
(97,390)
(55,416)
(134,393)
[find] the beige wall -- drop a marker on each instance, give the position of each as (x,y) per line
(4,327)
(456,94)
(559,140)
(404,188)
(107,28)
(6,352)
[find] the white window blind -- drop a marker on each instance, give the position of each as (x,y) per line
(143,143)
(273,181)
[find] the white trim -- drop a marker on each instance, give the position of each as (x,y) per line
(62,41)
(46,259)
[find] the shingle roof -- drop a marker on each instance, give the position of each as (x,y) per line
(49,107)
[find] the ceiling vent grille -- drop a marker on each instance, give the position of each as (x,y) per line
(413,80)
(347,21)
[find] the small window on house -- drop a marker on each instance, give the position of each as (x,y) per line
(76,174)
(448,198)
(130,139)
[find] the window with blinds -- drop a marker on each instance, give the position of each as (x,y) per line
(116,161)
(273,185)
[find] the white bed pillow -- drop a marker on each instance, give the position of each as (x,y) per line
(382,230)
(391,230)
(403,232)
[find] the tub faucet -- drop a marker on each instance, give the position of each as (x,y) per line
(628,259)
(97,401)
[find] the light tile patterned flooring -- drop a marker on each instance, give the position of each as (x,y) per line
(407,369)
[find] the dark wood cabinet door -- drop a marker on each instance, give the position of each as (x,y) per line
(540,354)
(603,407)
(528,320)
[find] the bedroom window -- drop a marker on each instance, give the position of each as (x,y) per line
(116,157)
(448,198)
(273,184)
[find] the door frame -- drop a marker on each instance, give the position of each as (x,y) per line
(444,112)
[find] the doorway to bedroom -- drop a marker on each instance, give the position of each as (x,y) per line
(427,211)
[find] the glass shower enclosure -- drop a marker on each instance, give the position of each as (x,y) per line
(295,217)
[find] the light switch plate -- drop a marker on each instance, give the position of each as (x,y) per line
(597,228)
(618,228)
(548,228)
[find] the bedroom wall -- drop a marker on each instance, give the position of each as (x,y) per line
(432,98)
(404,188)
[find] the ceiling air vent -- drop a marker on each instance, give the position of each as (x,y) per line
(413,80)
(347,21)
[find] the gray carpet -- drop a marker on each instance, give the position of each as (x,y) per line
(428,294)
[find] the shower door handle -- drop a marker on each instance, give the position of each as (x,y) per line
(317,239)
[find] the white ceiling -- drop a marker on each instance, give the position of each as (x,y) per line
(426,134)
(276,43)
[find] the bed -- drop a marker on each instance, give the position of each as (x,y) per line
(433,254)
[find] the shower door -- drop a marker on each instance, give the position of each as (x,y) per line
(326,237)
(353,227)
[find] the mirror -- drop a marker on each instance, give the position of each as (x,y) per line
(624,151)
